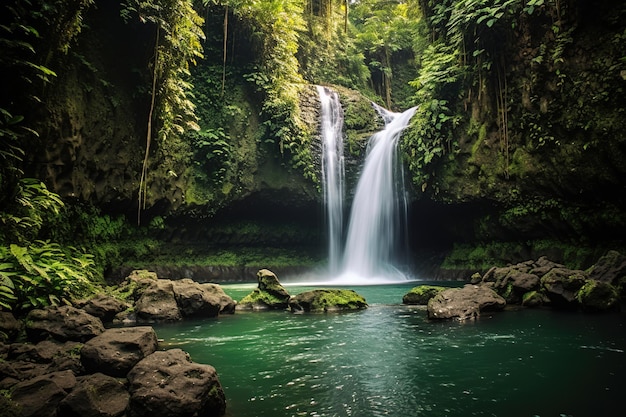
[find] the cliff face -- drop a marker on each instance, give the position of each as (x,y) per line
(538,150)
(537,157)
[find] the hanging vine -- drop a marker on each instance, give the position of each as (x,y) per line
(177,43)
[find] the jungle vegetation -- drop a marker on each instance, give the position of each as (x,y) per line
(500,88)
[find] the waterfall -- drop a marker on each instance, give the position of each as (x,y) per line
(378,207)
(332,172)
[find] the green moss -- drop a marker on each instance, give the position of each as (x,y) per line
(257,297)
(421,294)
(338,300)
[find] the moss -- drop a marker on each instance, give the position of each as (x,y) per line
(338,300)
(421,294)
(263,298)
(597,296)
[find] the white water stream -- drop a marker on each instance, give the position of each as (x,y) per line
(332,172)
(375,230)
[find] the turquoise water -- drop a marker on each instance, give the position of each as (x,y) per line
(390,360)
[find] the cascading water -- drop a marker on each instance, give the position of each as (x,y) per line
(378,206)
(332,172)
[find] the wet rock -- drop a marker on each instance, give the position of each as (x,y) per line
(117,350)
(269,295)
(421,294)
(62,323)
(464,303)
(327,300)
(96,395)
(168,384)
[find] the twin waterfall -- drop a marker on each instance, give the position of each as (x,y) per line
(378,214)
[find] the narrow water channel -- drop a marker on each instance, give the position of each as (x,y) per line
(390,360)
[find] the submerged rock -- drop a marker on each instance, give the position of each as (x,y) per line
(327,300)
(464,303)
(269,295)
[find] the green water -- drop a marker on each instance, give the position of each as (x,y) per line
(390,360)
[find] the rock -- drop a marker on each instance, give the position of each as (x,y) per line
(227,304)
(117,350)
(543,265)
(38,397)
(512,282)
(611,268)
(168,384)
(62,323)
(199,300)
(96,395)
(464,303)
(598,296)
(158,303)
(535,299)
(269,295)
(421,294)
(327,300)
(561,286)
(103,306)
(9,326)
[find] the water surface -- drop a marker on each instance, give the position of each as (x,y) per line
(390,360)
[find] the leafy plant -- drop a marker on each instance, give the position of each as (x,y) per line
(42,274)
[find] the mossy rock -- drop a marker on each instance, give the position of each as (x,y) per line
(327,300)
(421,294)
(598,296)
(535,299)
(262,300)
(269,295)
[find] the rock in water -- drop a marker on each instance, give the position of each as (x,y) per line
(327,300)
(269,295)
(168,384)
(464,303)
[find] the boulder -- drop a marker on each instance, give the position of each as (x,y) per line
(201,300)
(38,397)
(269,295)
(117,350)
(464,303)
(9,326)
(598,296)
(62,323)
(421,294)
(168,384)
(610,268)
(327,300)
(96,395)
(561,286)
(103,306)
(227,304)
(535,299)
(158,303)
(53,355)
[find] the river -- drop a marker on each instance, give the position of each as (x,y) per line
(390,360)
